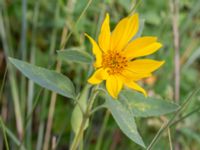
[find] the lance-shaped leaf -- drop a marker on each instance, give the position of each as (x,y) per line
(75,55)
(46,78)
(125,119)
(146,106)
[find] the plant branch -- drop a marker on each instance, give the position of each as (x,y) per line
(86,115)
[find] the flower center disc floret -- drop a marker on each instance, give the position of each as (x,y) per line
(114,62)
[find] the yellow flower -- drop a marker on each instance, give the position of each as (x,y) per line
(116,56)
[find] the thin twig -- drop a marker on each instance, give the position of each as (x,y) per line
(157,136)
(168,124)
(170,139)
(185,116)
(97,108)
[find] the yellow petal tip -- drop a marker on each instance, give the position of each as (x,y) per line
(135,14)
(93,80)
(143,91)
(145,94)
(162,62)
(115,97)
(107,15)
(86,35)
(160,45)
(90,81)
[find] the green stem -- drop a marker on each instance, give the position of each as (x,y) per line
(187,115)
(97,108)
(170,139)
(79,105)
(102,131)
(79,135)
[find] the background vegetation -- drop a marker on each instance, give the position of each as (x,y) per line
(32,31)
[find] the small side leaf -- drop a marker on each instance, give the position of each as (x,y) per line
(77,115)
(146,106)
(75,55)
(46,78)
(125,120)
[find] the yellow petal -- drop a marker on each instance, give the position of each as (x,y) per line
(129,75)
(98,76)
(124,31)
(96,51)
(104,36)
(136,87)
(144,65)
(114,85)
(141,47)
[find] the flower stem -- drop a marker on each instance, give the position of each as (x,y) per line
(97,108)
(86,115)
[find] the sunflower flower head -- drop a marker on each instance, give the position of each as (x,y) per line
(117,56)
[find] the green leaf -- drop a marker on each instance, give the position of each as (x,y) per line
(46,78)
(75,55)
(125,120)
(146,106)
(77,115)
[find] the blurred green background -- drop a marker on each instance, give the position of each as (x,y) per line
(31,30)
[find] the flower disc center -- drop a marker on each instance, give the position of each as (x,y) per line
(114,62)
